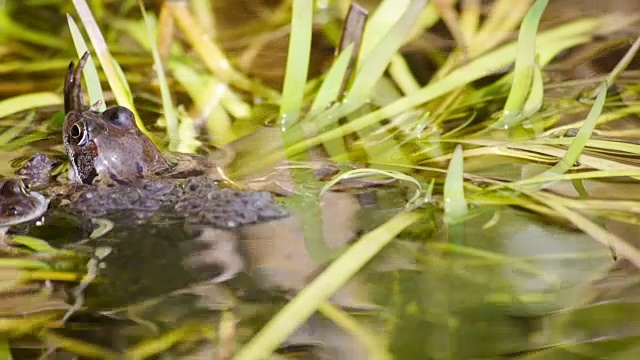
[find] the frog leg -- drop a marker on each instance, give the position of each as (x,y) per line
(73,85)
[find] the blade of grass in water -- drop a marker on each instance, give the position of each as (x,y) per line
(566,35)
(369,172)
(524,68)
(20,103)
(340,75)
(330,88)
(26,324)
(5,352)
(13,132)
(375,63)
(297,66)
(188,333)
(536,95)
(328,93)
(371,67)
(303,305)
(35,244)
(90,73)
(401,73)
(6,263)
(455,205)
(387,13)
(578,144)
(24,140)
(167,104)
(77,346)
(115,77)
(376,345)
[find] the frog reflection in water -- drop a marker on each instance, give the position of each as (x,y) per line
(117,169)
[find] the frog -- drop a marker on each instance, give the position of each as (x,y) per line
(19,205)
(114,168)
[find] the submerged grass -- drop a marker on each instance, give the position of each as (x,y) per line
(307,301)
(466,148)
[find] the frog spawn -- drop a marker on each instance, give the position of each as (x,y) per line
(196,200)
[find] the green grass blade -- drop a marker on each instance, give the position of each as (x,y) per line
(20,103)
(303,305)
(13,132)
(536,95)
(579,142)
(90,73)
(455,205)
(297,62)
(376,344)
(380,23)
(357,173)
(375,63)
(5,351)
(524,68)
(12,263)
(330,88)
(167,104)
(550,42)
(8,27)
(35,244)
(401,73)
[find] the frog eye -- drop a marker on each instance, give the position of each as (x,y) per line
(78,133)
(119,116)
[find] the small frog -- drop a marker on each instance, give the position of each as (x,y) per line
(105,145)
(18,205)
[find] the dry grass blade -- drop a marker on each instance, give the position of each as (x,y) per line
(352,32)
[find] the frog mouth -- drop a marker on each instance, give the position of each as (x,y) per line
(73,85)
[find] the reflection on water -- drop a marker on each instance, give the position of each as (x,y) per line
(423,294)
(513,283)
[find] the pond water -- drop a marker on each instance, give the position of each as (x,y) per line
(508,281)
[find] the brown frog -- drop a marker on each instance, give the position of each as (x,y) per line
(116,169)
(105,145)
